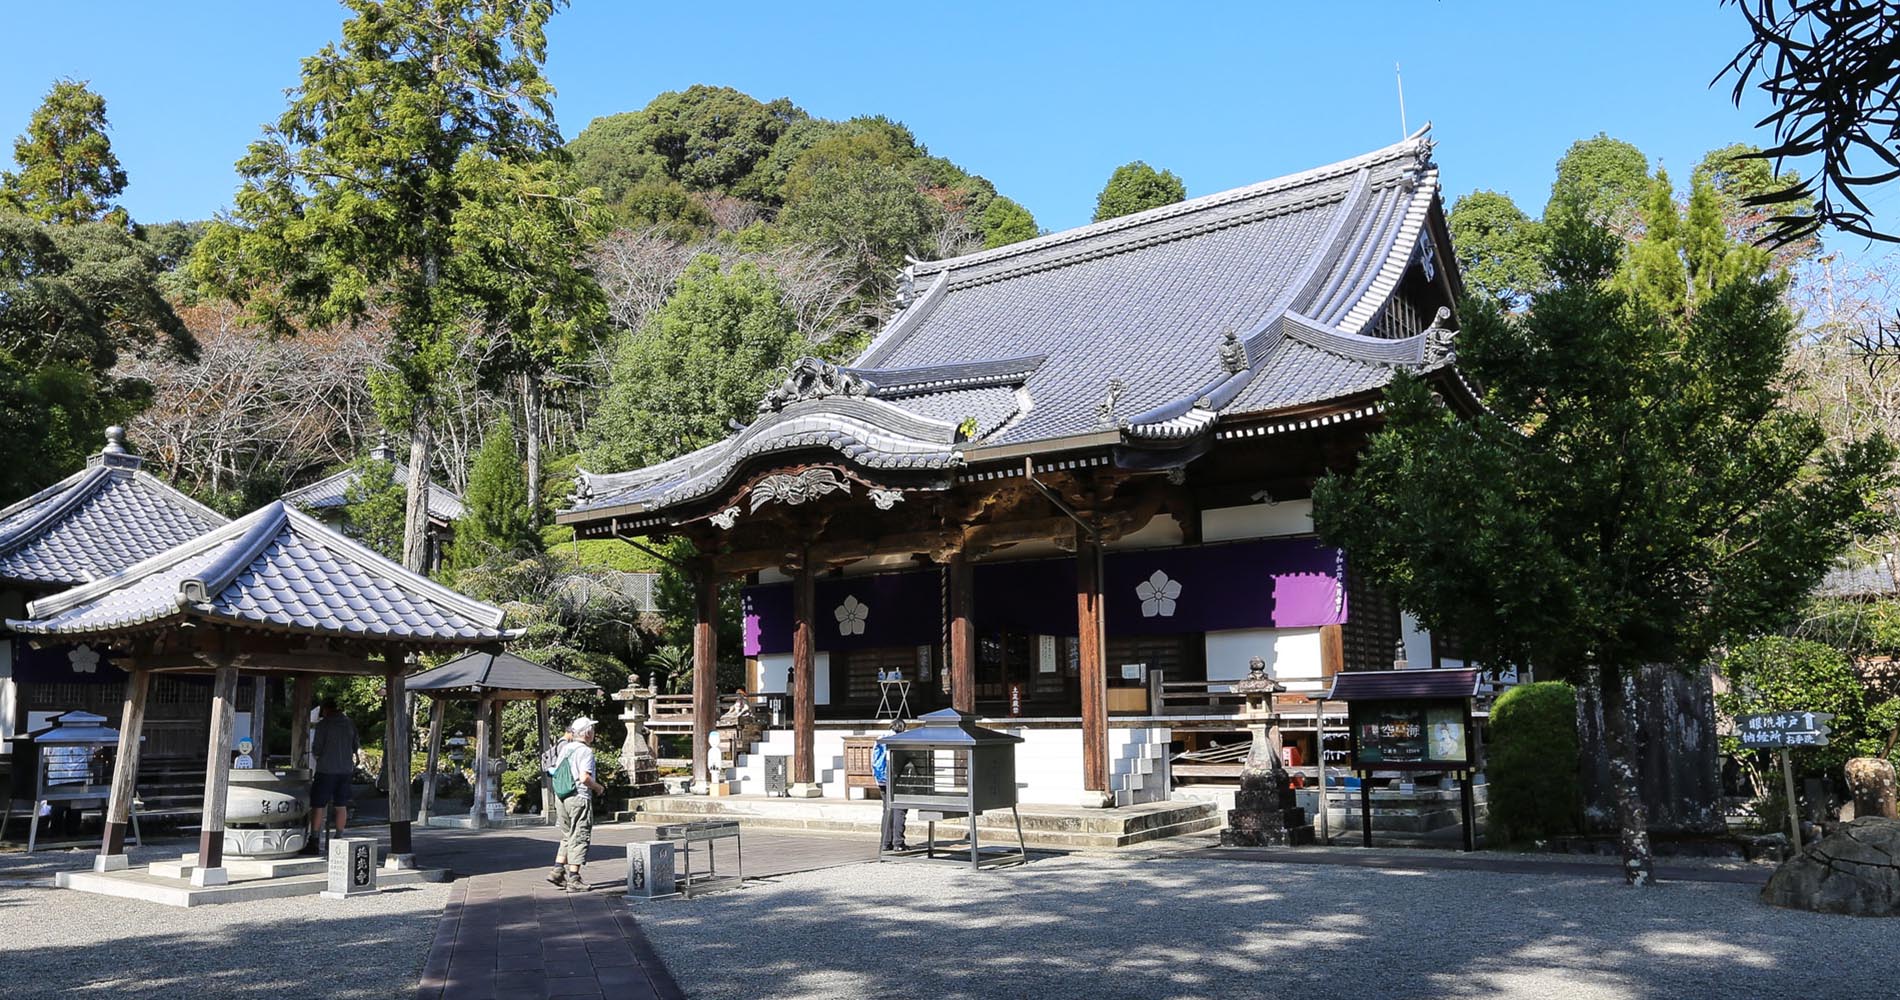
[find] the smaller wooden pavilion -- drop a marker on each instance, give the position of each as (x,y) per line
(272,592)
(488,678)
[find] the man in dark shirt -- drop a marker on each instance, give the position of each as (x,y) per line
(333,743)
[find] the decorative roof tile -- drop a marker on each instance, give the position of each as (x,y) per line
(275,569)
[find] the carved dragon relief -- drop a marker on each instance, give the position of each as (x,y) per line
(812,378)
(793,489)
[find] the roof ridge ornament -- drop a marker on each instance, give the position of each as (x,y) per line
(793,489)
(1105,410)
(114,455)
(1233,353)
(1441,346)
(907,283)
(812,378)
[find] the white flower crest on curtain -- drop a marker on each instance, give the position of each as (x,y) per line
(1158,595)
(851,615)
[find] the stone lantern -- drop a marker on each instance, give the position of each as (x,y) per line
(635,756)
(1263,813)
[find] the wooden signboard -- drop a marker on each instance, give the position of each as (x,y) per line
(1411,735)
(1779,731)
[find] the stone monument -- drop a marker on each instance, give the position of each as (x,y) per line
(636,757)
(1264,814)
(1854,870)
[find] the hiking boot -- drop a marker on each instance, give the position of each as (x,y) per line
(574,883)
(558,877)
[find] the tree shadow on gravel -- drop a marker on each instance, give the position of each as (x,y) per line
(1101,928)
(351,955)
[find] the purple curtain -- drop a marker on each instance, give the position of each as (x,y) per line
(1281,583)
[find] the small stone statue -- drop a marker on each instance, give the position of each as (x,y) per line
(1233,353)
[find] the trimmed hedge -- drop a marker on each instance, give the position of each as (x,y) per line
(1532,763)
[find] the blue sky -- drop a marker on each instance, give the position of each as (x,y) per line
(1043,99)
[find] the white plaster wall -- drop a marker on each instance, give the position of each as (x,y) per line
(1048,763)
(1292,655)
(775,672)
(1262,520)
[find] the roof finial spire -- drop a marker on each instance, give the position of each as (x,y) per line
(114,455)
(1399,74)
(115,440)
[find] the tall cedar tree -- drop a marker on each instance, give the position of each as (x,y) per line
(1137,187)
(497,519)
(351,200)
(1636,492)
(68,172)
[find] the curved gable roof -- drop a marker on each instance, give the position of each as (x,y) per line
(97,522)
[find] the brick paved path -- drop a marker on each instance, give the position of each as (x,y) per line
(508,933)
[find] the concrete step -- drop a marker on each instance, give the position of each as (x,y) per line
(1043,826)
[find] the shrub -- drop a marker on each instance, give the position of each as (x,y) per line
(1532,762)
(1779,674)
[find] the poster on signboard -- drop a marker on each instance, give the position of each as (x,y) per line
(1445,730)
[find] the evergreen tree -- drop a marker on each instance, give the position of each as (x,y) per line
(704,359)
(1636,492)
(373,507)
(1500,251)
(496,518)
(351,201)
(68,172)
(1136,187)
(1601,181)
(1005,222)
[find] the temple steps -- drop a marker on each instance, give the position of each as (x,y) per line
(1049,826)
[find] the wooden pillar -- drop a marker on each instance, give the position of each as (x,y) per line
(125,769)
(398,761)
(260,717)
(541,748)
(1091,632)
(217,777)
(478,806)
(436,709)
(302,692)
(1332,649)
(804,685)
(705,669)
(962,651)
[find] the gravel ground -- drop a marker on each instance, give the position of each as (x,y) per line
(56,943)
(1100,928)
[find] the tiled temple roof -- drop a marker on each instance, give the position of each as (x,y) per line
(1146,330)
(96,522)
(275,569)
(332,491)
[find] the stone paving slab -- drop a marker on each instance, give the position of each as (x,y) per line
(507,932)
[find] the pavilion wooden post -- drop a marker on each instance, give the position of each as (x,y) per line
(962,649)
(260,709)
(302,692)
(437,705)
(705,669)
(1091,633)
(125,771)
(804,685)
(399,762)
(541,749)
(210,867)
(478,806)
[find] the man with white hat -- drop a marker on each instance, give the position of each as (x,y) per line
(572,778)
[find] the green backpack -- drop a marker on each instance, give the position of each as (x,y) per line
(563,776)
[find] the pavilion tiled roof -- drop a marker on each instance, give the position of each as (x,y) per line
(1147,330)
(96,522)
(275,569)
(484,672)
(332,492)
